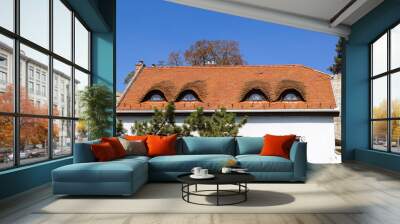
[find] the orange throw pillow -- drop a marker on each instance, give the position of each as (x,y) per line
(116,145)
(277,145)
(103,152)
(135,138)
(161,145)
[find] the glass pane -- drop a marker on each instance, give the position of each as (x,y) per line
(81,131)
(62,89)
(7,14)
(6,142)
(34,97)
(62,29)
(6,74)
(379,97)
(395,136)
(379,56)
(62,138)
(395,47)
(81,82)
(395,94)
(33,139)
(256,97)
(81,45)
(379,135)
(35,21)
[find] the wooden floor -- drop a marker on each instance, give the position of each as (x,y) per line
(377,188)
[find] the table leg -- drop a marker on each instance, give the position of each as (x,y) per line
(188,190)
(182,189)
(217,194)
(245,193)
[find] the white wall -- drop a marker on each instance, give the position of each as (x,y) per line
(318,132)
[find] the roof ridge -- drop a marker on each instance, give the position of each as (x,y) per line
(315,70)
(226,66)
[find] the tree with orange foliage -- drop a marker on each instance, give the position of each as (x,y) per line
(6,122)
(380,127)
(33,131)
(6,132)
(214,52)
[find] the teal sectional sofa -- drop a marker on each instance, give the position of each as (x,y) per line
(125,176)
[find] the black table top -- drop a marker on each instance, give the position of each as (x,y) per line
(220,178)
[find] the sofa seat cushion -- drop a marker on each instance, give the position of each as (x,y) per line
(257,163)
(134,157)
(185,163)
(113,171)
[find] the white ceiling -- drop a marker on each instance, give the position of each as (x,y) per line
(322,9)
(317,15)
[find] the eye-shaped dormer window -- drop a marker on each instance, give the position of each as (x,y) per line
(291,95)
(255,95)
(188,96)
(155,96)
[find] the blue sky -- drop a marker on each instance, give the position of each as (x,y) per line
(149,30)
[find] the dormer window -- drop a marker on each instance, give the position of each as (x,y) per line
(155,96)
(188,96)
(255,95)
(291,95)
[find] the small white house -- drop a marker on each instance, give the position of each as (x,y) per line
(277,99)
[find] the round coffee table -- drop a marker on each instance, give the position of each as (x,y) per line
(238,179)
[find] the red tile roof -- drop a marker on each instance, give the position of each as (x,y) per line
(226,86)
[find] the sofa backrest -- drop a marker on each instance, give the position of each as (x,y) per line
(206,145)
(249,145)
(191,146)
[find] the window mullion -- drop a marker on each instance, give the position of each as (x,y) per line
(371,142)
(16,85)
(389,104)
(73,123)
(50,81)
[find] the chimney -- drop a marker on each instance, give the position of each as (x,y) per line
(139,65)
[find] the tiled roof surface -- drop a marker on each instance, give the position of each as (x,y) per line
(226,86)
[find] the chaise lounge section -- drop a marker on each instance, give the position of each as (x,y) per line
(125,176)
(87,177)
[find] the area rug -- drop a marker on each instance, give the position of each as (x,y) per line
(166,198)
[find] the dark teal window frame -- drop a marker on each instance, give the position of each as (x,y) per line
(16,114)
(388,74)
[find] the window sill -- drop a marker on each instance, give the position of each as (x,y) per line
(387,160)
(30,166)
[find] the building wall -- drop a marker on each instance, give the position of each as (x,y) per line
(337,91)
(6,64)
(27,177)
(356,100)
(318,131)
(34,80)
(103,64)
